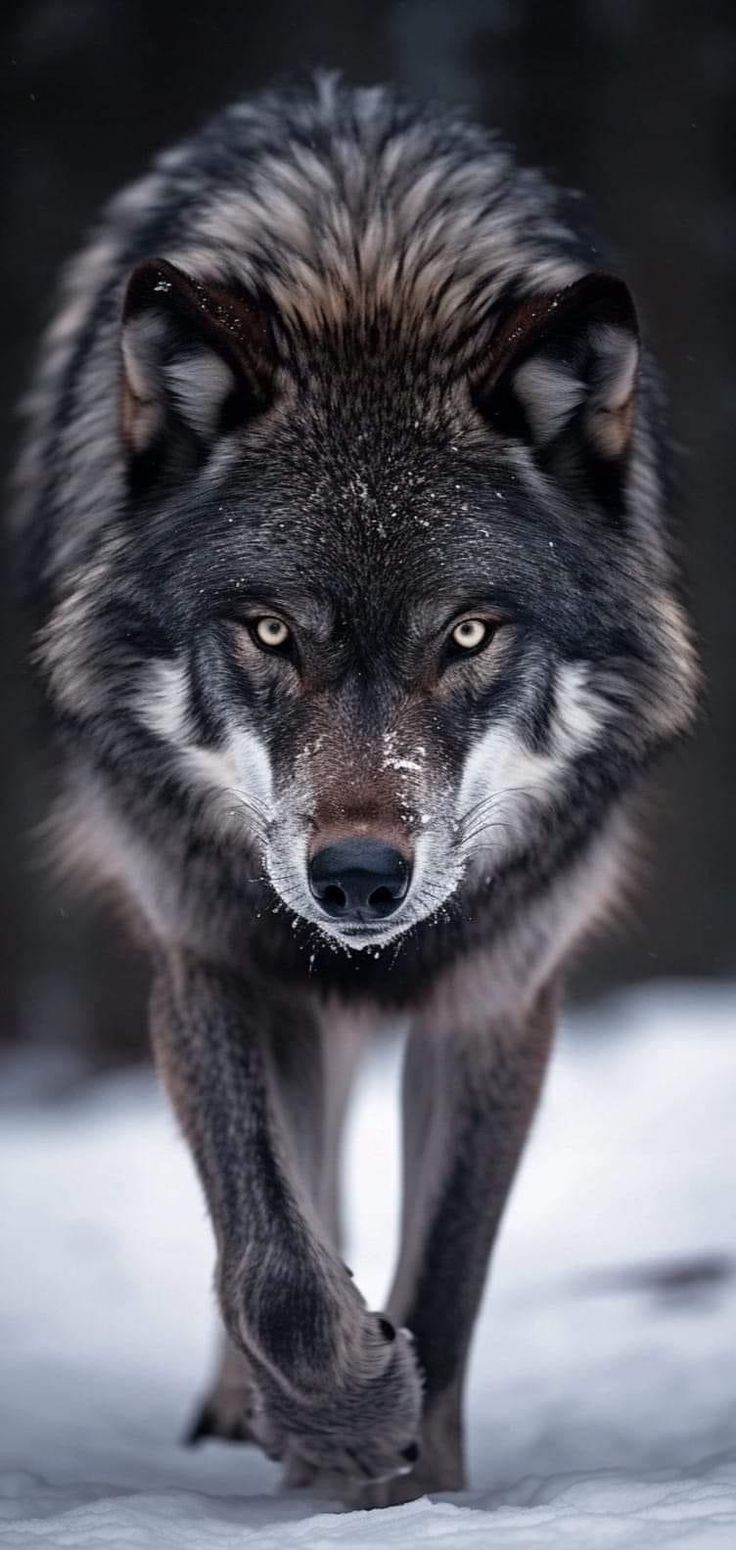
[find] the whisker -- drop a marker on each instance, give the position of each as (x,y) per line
(470,826)
(488,802)
(484,828)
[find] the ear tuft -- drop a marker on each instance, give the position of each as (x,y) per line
(562,373)
(198,359)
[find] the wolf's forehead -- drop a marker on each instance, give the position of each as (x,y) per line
(396,467)
(348,528)
(345,536)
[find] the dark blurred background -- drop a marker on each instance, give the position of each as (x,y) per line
(629,101)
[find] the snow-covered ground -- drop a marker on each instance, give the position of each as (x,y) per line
(603,1400)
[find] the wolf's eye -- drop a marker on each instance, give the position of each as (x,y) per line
(470,634)
(271,632)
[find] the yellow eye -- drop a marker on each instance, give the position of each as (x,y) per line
(271,632)
(469,634)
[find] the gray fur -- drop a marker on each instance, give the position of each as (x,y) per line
(339,361)
(334,1393)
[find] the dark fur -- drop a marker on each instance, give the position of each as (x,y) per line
(368,381)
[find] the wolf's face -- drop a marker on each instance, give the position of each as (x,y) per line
(393,600)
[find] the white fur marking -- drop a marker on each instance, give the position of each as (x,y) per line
(550,395)
(501,769)
(241,766)
(618,358)
(163,700)
(253,766)
(580,711)
(199,383)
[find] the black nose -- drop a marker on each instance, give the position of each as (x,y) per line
(359,880)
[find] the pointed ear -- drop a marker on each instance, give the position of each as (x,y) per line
(562,377)
(198,360)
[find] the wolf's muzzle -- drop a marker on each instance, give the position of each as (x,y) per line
(357,881)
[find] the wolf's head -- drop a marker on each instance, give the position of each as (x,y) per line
(406,603)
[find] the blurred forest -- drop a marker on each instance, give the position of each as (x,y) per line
(629,101)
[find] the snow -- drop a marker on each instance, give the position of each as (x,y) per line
(603,1400)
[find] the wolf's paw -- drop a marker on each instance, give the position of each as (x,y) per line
(363,1429)
(439,1466)
(424,1479)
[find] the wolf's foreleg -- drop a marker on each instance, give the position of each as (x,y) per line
(469,1098)
(338,1387)
(312,1062)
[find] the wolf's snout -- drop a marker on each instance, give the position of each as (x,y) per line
(359,880)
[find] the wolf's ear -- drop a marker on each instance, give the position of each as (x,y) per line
(197,361)
(562,377)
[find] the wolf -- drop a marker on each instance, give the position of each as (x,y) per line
(343,515)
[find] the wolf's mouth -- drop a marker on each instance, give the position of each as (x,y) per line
(366,931)
(373,932)
(358,936)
